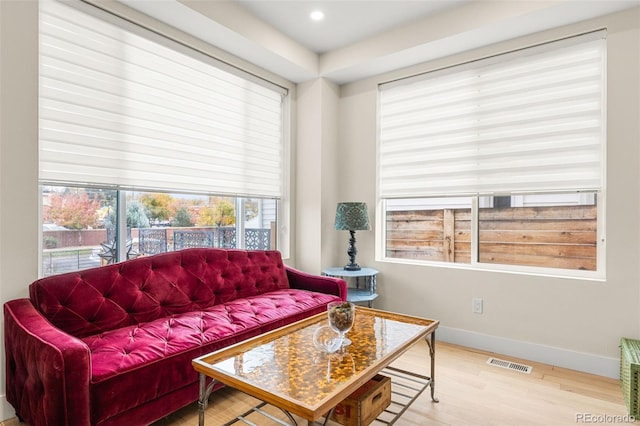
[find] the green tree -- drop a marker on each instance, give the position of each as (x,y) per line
(72,210)
(136,217)
(182,218)
(158,206)
(220,212)
(251,208)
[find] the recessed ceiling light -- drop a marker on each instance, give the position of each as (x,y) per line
(317,15)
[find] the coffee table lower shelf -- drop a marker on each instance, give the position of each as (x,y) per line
(406,387)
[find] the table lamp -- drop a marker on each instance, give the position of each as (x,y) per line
(352,217)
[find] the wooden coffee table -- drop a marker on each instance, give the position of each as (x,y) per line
(284,369)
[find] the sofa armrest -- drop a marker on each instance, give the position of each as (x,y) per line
(319,283)
(47,371)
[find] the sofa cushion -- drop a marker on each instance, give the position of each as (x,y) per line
(138,359)
(143,290)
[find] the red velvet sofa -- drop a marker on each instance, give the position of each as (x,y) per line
(113,345)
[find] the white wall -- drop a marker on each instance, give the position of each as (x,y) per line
(18,156)
(568,322)
(19,194)
(316,180)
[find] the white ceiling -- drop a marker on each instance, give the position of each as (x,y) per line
(345,22)
(362,38)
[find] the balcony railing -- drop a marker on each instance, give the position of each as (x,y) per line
(160,240)
(86,248)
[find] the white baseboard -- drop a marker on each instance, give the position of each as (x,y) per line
(588,363)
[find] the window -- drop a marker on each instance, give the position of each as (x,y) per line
(80,225)
(433,229)
(498,162)
(550,230)
(147,145)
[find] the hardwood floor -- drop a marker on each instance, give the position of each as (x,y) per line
(471,392)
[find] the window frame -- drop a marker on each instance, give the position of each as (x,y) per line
(120,197)
(598,275)
(175,39)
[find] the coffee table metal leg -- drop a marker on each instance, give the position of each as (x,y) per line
(203,398)
(431,342)
(326,419)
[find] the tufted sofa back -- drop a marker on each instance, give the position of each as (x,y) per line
(93,301)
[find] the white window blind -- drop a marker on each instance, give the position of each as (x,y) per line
(118,106)
(527,121)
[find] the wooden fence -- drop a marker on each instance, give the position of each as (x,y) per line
(556,237)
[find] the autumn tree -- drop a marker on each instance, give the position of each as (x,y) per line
(219,212)
(72,210)
(158,206)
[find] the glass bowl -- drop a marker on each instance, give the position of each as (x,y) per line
(326,339)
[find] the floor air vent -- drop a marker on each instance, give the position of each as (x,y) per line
(509,365)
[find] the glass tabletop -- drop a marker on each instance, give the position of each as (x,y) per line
(285,365)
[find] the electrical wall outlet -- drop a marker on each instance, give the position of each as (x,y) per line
(476,305)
